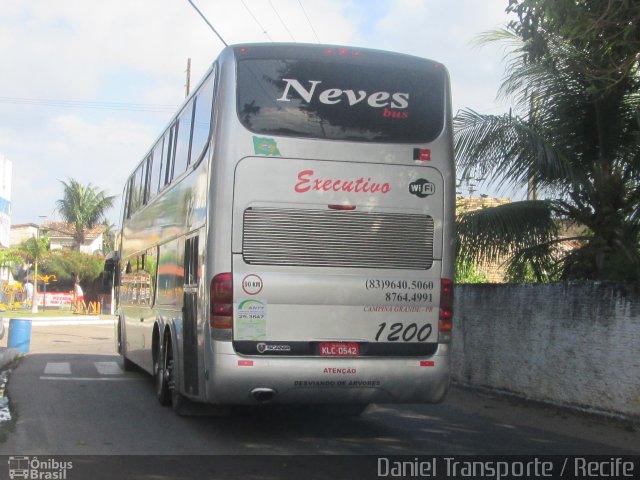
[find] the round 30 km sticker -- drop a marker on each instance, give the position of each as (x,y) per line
(252,284)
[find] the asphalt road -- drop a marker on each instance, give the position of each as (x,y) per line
(69,396)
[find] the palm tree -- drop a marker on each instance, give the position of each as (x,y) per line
(109,236)
(84,207)
(577,139)
(35,250)
(8,257)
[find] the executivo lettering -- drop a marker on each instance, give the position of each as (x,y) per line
(307,182)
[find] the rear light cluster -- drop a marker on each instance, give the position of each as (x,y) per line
(221,301)
(343,52)
(342,207)
(445,321)
(222,305)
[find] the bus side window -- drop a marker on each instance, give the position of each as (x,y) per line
(183,140)
(151,270)
(140,187)
(156,169)
(136,189)
(191,261)
(147,166)
(170,273)
(127,201)
(169,152)
(151,167)
(202,118)
(126,282)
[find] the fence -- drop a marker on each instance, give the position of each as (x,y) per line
(573,344)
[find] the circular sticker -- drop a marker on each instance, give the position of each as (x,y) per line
(252,284)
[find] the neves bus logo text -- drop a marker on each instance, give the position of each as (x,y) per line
(332,96)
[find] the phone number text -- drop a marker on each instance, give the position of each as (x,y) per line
(378,284)
(404,297)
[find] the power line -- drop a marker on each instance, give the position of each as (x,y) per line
(264,30)
(120,106)
(282,21)
(309,21)
(207,22)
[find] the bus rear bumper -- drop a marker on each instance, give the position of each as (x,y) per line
(242,380)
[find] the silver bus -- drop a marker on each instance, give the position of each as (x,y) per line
(289,236)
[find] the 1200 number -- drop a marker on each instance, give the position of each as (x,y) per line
(397,332)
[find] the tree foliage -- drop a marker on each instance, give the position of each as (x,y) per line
(72,265)
(466,273)
(108,237)
(83,206)
(574,131)
(603,36)
(9,257)
(34,249)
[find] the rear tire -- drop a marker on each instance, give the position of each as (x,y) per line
(163,372)
(127,365)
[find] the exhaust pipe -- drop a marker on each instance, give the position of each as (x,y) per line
(263,395)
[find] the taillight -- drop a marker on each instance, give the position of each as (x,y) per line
(342,207)
(343,52)
(445,321)
(221,301)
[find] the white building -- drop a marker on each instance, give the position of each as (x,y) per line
(60,235)
(6,168)
(5,201)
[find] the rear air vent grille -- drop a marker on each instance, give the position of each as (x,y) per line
(333,238)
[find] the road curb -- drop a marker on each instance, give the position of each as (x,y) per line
(7,355)
(52,319)
(67,323)
(63,321)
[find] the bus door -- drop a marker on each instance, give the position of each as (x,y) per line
(190,316)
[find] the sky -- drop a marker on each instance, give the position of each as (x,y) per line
(86,86)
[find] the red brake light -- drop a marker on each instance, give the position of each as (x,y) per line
(221,298)
(445,323)
(342,207)
(343,52)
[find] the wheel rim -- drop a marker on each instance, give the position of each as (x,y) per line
(159,372)
(168,368)
(164,373)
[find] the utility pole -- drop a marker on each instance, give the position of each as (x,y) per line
(188,84)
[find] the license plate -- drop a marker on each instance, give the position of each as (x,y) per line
(339,349)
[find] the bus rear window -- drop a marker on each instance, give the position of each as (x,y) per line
(384,101)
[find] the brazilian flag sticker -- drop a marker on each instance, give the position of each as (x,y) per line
(265,146)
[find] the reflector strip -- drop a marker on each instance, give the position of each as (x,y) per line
(245,363)
(427,363)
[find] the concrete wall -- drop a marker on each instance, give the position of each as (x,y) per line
(574,344)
